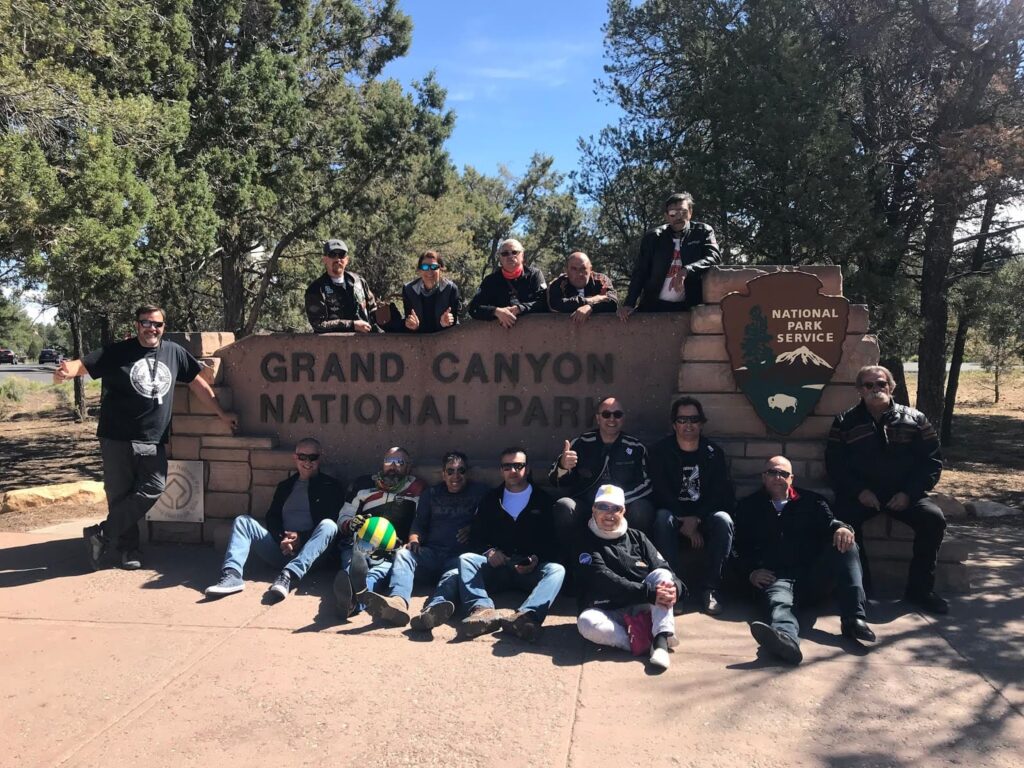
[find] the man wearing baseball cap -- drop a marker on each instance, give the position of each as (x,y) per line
(340,301)
(627,588)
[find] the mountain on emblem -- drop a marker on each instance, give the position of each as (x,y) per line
(785,339)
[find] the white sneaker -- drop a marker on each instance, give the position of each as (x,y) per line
(660,658)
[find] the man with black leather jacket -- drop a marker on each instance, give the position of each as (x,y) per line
(340,301)
(883,457)
(510,291)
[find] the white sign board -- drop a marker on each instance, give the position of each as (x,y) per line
(182,500)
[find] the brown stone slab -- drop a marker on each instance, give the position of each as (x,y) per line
(175,533)
(197,406)
(765,449)
(857,323)
(266,459)
(238,441)
(184,448)
(269,477)
(262,495)
(221,504)
(212,371)
(704,349)
(181,397)
(804,449)
(707,318)
(858,351)
(813,427)
(199,425)
(836,398)
(718,283)
(230,476)
(706,377)
(218,532)
(223,454)
(201,343)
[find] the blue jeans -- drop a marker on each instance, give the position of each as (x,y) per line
(477,577)
(248,533)
(430,564)
(717,531)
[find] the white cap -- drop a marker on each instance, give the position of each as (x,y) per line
(611,494)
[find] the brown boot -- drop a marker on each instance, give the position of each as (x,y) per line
(482,621)
(523,625)
(390,610)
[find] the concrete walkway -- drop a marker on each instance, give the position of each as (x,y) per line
(138,669)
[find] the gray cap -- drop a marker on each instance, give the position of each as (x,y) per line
(334,245)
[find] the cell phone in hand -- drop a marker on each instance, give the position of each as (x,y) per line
(518,559)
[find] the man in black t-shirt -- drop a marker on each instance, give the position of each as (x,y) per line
(135,417)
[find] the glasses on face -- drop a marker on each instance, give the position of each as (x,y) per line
(429,267)
(778,473)
(337,255)
(507,254)
(612,414)
(394,461)
(879,385)
(687,419)
(151,323)
(454,471)
(513,466)
(604,506)
(310,457)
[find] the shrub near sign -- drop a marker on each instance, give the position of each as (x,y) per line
(784,339)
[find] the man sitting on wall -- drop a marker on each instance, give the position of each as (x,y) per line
(513,546)
(300,526)
(789,545)
(581,291)
(510,291)
(439,534)
(391,493)
(340,301)
(694,494)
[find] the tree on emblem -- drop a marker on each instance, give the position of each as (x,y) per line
(757,352)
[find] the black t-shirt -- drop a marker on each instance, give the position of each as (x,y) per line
(428,322)
(138,387)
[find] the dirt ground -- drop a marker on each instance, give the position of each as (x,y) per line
(41,444)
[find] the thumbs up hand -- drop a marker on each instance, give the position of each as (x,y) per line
(447,319)
(412,322)
(568,458)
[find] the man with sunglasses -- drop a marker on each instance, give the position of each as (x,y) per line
(694,494)
(340,301)
(138,376)
(439,534)
(789,545)
(511,291)
(580,291)
(512,543)
(300,526)
(392,493)
(431,301)
(883,458)
(598,457)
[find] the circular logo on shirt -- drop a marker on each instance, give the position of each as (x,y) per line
(585,558)
(150,378)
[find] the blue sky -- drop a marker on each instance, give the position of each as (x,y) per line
(519,75)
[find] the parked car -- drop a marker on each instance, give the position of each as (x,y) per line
(8,356)
(50,356)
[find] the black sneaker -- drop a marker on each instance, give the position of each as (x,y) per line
(430,617)
(131,560)
(95,545)
(281,587)
(778,643)
(857,629)
(343,594)
(930,603)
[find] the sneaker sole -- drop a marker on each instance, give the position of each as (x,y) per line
(343,594)
(477,628)
(277,594)
(378,607)
(767,639)
(660,659)
(436,614)
(222,591)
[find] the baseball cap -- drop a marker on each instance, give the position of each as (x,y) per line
(610,494)
(334,245)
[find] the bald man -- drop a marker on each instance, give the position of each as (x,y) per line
(789,544)
(580,291)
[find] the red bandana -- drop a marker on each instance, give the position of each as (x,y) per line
(512,275)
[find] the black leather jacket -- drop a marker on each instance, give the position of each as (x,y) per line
(699,252)
(525,292)
(626,461)
(899,452)
(563,297)
(332,309)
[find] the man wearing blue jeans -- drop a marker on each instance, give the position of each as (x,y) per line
(514,546)
(439,534)
(300,527)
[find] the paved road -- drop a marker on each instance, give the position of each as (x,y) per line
(43,373)
(912,367)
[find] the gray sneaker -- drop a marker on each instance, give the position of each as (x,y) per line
(131,560)
(230,582)
(431,617)
(281,587)
(95,545)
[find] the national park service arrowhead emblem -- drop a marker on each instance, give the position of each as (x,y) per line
(785,339)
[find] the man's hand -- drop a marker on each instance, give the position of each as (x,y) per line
(762,578)
(625,312)
(447,319)
(842,539)
(462,535)
(413,545)
(361,326)
(496,558)
(506,316)
(526,568)
(688,527)
(412,322)
(231,419)
(356,523)
(898,502)
(582,314)
(868,499)
(569,457)
(665,594)
(290,543)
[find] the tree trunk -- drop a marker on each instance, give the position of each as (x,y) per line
(996,370)
(232,285)
(78,383)
(895,365)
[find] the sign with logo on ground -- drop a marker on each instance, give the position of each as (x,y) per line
(785,339)
(182,500)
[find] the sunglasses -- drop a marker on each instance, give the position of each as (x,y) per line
(394,461)
(308,456)
(688,419)
(603,506)
(612,414)
(337,255)
(429,267)
(508,466)
(454,471)
(509,253)
(879,385)
(151,323)
(778,473)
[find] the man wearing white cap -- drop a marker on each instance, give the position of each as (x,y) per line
(626,586)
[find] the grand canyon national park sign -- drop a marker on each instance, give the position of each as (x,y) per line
(784,338)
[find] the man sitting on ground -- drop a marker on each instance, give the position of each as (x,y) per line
(789,545)
(626,586)
(300,527)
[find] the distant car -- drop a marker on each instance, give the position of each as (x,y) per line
(8,356)
(50,356)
